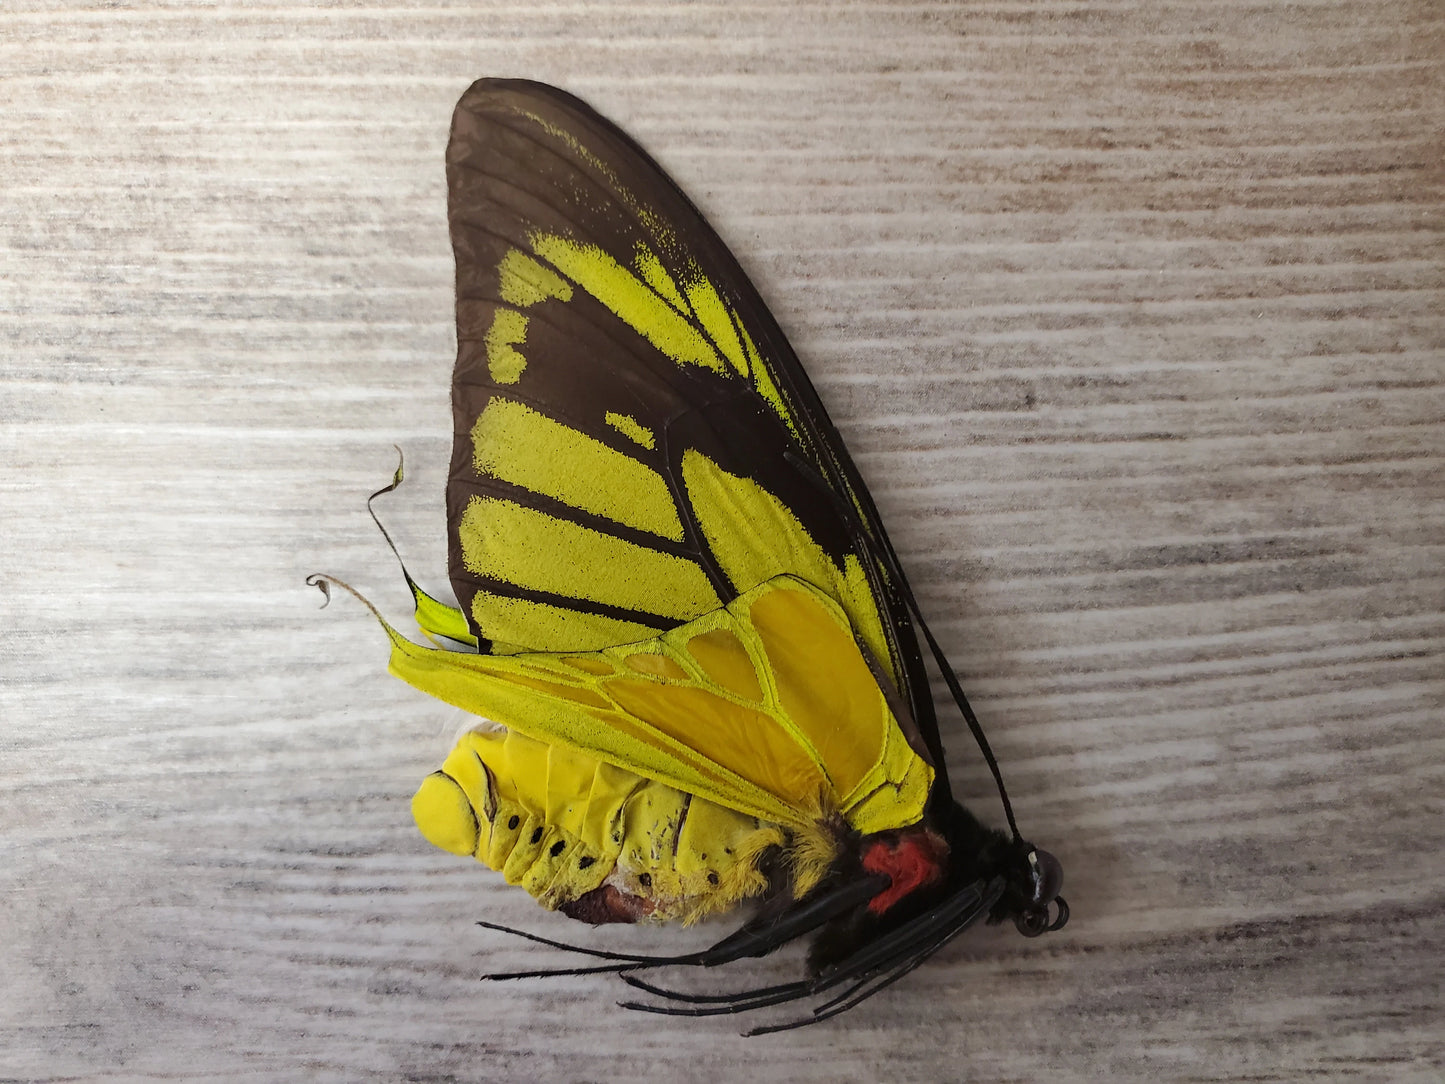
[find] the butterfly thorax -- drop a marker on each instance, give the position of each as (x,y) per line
(912,860)
(949,853)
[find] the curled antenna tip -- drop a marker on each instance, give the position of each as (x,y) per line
(322,584)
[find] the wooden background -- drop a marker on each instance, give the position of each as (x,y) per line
(1133,313)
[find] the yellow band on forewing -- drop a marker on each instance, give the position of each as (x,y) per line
(505,362)
(630,298)
(517,624)
(656,276)
(515,544)
(754,537)
(713,313)
(522,281)
(515,443)
(632,429)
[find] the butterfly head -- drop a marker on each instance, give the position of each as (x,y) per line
(1034,878)
(1031,877)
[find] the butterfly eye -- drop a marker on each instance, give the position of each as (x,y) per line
(1047,876)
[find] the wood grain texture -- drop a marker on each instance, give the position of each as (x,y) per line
(1133,314)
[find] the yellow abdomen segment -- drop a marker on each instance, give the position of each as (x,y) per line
(561,823)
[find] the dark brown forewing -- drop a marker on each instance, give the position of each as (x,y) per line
(526,157)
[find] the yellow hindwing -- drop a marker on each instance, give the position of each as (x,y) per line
(766,707)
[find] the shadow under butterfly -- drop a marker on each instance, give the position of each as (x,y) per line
(680,615)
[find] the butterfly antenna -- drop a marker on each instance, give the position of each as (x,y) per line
(965,709)
(324,582)
(883,552)
(398,476)
(949,677)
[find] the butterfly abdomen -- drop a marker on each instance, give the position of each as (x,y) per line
(593,840)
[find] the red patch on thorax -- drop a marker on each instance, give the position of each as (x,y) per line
(912,861)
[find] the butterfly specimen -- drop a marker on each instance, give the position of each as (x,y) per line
(679,610)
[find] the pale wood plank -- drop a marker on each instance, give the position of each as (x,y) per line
(1132,313)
